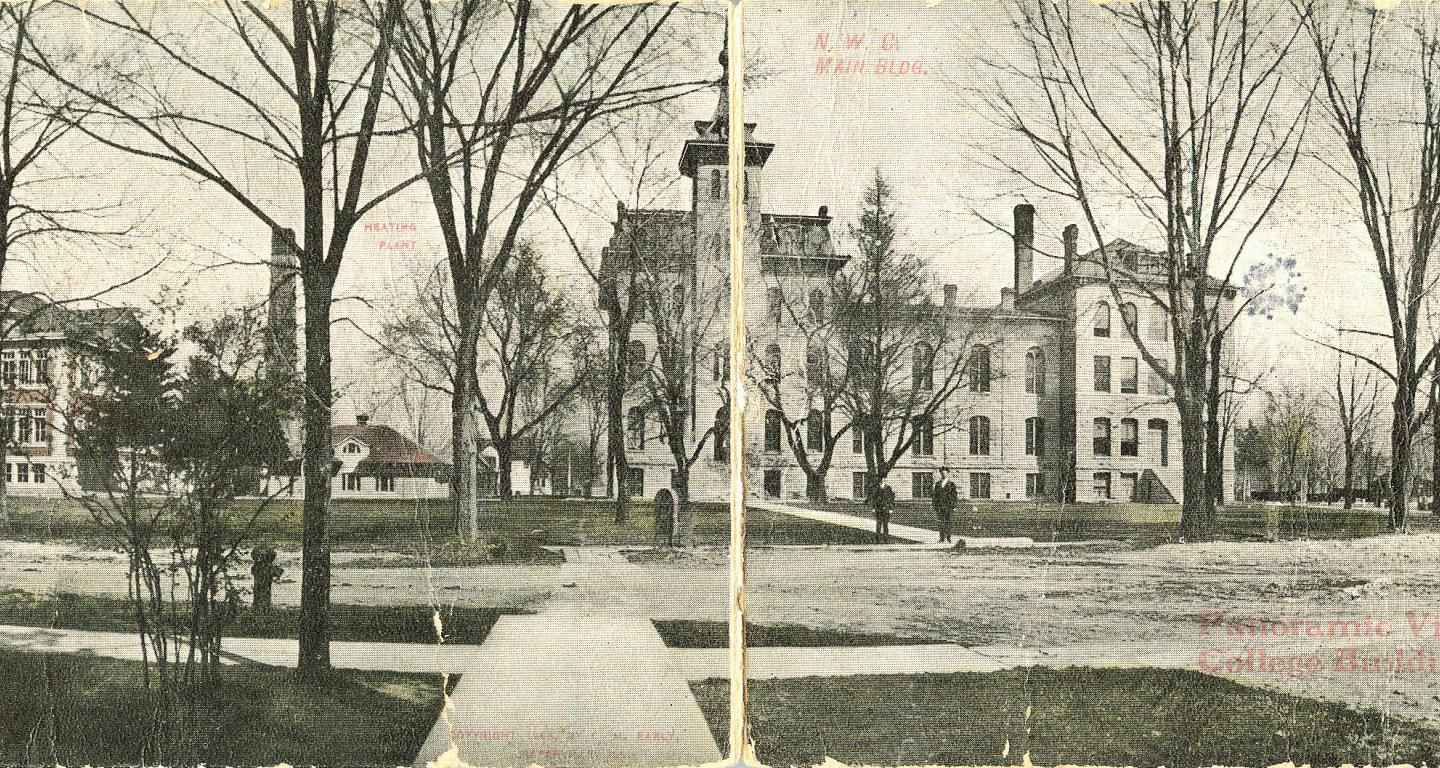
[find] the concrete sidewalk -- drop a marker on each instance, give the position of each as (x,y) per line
(587,681)
(390,657)
(925,537)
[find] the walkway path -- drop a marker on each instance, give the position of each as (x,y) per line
(586,681)
(923,536)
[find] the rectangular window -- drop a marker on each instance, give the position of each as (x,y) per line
(1162,430)
(7,365)
(350,481)
(40,426)
(1102,485)
(979,485)
(772,483)
(1034,485)
(1034,436)
(1160,326)
(27,375)
(1129,437)
(1128,483)
(22,473)
(23,426)
(634,482)
(860,486)
(1102,437)
(384,483)
(42,367)
(37,473)
(1102,373)
(922,484)
(1129,375)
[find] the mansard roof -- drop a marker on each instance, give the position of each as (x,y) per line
(26,314)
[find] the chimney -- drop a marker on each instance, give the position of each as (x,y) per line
(361,419)
(1024,246)
(824,211)
(1072,234)
(1007,298)
(950,292)
(282,349)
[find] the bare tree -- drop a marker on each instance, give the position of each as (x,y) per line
(806,394)
(302,86)
(1179,114)
(908,360)
(1380,76)
(524,330)
(492,123)
(1356,398)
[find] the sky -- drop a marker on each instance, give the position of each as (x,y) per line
(918,123)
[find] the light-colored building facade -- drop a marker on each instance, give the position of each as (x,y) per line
(1067,406)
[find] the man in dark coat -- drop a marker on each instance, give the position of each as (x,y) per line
(884,504)
(945,497)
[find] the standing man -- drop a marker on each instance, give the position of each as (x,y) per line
(945,496)
(884,503)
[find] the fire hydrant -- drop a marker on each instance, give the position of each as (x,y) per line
(266,573)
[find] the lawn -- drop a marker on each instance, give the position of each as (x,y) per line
(390,623)
(690,633)
(1048,716)
(1141,523)
(80,710)
(514,529)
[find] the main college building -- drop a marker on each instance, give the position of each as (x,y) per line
(1057,401)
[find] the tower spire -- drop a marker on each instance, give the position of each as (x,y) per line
(722,104)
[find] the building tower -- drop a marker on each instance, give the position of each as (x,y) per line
(282,352)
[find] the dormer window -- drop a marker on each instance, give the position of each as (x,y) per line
(351,448)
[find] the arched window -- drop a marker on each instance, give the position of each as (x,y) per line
(772,431)
(980,368)
(774,304)
(922,373)
(1129,316)
(716,188)
(817,305)
(1102,319)
(1035,371)
(817,371)
(722,433)
(1034,436)
(636,360)
(924,443)
(979,436)
(635,428)
(772,363)
(817,433)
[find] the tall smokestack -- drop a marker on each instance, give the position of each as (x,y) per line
(282,354)
(1072,236)
(1024,247)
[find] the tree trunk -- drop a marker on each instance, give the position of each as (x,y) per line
(615,428)
(1194,485)
(684,520)
(1349,491)
(317,456)
(1400,445)
(1214,451)
(503,458)
(464,502)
